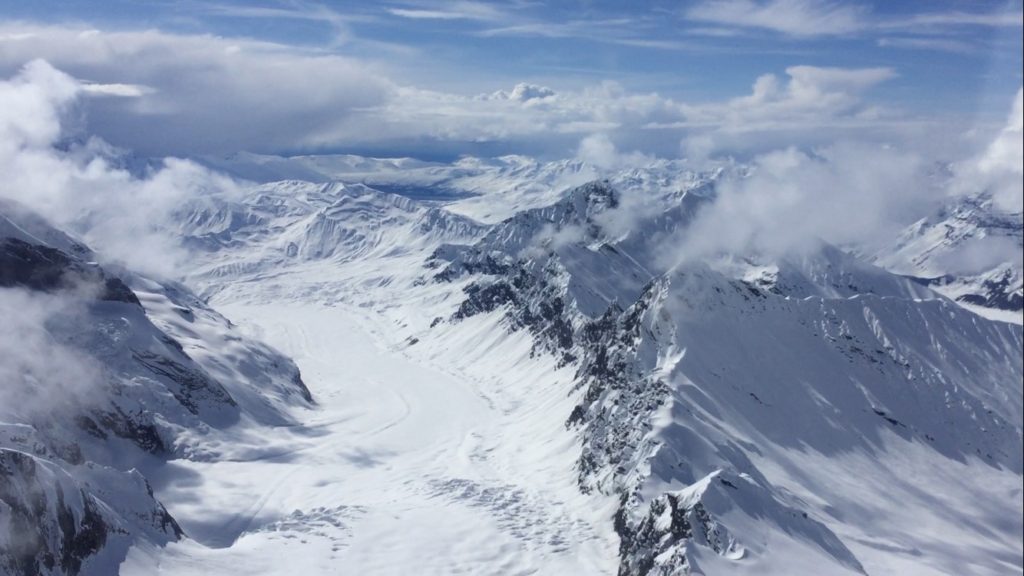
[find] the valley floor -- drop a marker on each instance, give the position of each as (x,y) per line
(407,466)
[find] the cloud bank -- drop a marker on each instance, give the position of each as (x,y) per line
(76,182)
(847,193)
(184,95)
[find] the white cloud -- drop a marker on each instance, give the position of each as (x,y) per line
(846,193)
(203,93)
(41,375)
(452,11)
(196,94)
(794,17)
(813,18)
(78,186)
(999,169)
(815,105)
(978,254)
(599,151)
(522,92)
(121,90)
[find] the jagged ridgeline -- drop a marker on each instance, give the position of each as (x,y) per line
(703,386)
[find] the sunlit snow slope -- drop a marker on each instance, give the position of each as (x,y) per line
(108,376)
(522,383)
(544,394)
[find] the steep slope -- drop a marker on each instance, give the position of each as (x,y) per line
(739,370)
(455,442)
(546,394)
(970,250)
(104,372)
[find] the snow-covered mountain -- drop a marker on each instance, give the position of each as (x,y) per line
(524,373)
(942,249)
(740,414)
(970,250)
(291,222)
(107,373)
(710,387)
(488,190)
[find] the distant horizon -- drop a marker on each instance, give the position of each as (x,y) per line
(434,80)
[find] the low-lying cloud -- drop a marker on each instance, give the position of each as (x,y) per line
(847,193)
(76,182)
(999,169)
(40,373)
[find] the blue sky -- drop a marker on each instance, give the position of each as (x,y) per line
(437,78)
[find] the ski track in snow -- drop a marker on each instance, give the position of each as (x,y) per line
(395,473)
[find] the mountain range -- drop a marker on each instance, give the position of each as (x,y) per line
(511,366)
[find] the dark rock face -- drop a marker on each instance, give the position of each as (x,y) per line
(614,415)
(537,286)
(995,299)
(529,288)
(69,500)
(641,543)
(530,299)
(136,428)
(38,267)
(194,386)
(657,544)
(301,387)
(999,292)
(38,544)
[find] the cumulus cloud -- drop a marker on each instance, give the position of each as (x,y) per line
(599,151)
(75,181)
(203,94)
(1000,168)
(848,193)
(814,105)
(811,96)
(522,92)
(199,94)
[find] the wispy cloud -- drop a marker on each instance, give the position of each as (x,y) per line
(451,11)
(792,17)
(338,23)
(596,29)
(928,43)
(115,89)
(816,18)
(999,19)
(660,44)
